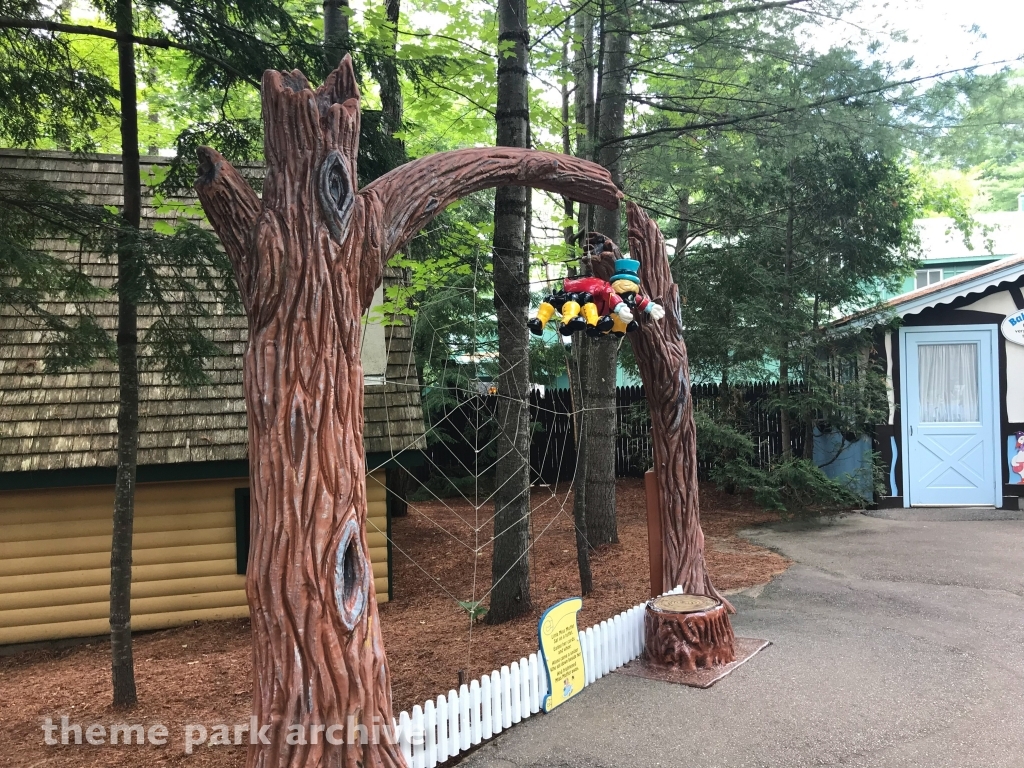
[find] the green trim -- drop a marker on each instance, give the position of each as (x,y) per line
(958,260)
(165,473)
(953,266)
(149,473)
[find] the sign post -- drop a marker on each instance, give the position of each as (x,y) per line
(657,556)
(562,652)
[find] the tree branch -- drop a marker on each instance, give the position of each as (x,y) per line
(233,207)
(413,194)
(725,12)
(735,119)
(8,22)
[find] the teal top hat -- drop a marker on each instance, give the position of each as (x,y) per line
(626,269)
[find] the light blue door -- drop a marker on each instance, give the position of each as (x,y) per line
(950,416)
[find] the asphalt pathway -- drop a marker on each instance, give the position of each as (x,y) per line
(897,641)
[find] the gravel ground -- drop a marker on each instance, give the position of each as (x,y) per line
(202,674)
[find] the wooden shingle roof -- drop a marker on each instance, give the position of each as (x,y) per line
(68,421)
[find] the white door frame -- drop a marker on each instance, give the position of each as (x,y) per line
(997,453)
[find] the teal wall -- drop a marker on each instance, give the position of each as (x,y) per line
(622,379)
(950,268)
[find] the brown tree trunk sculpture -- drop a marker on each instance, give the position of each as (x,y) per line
(661,356)
(307,259)
(687,632)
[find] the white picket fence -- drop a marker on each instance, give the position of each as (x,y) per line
(476,712)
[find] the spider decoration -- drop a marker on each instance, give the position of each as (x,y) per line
(598,306)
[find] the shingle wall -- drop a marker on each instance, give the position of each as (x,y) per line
(68,421)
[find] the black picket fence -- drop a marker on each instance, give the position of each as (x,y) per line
(755,414)
(464,438)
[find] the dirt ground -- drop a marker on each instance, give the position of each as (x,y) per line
(202,674)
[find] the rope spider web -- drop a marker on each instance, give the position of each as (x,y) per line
(464,512)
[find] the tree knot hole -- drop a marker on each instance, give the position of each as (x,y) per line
(336,193)
(351,576)
(297,424)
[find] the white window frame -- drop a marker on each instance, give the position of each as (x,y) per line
(928,274)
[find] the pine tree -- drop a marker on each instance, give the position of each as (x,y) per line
(224,42)
(510,563)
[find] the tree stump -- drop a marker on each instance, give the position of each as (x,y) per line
(688,632)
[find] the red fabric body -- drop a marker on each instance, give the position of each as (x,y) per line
(604,297)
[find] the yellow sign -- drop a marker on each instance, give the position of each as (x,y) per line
(563,654)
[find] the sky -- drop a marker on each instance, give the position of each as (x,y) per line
(938,31)
(939,35)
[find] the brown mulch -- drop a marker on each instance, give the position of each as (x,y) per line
(202,674)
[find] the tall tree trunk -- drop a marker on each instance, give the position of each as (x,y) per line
(583,75)
(579,506)
(599,386)
(599,358)
(683,232)
(785,424)
(122,665)
(307,259)
(661,355)
(579,502)
(578,369)
(336,37)
(612,105)
(399,480)
(583,95)
(391,103)
(510,563)
(583,78)
(808,393)
(567,206)
(809,435)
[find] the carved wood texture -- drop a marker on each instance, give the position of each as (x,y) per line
(661,356)
(688,641)
(307,258)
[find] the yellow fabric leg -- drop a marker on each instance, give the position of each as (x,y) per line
(618,325)
(544,313)
(570,310)
(590,313)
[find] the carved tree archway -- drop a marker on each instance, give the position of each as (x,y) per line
(660,352)
(307,258)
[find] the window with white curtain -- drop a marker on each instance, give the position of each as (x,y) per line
(948,376)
